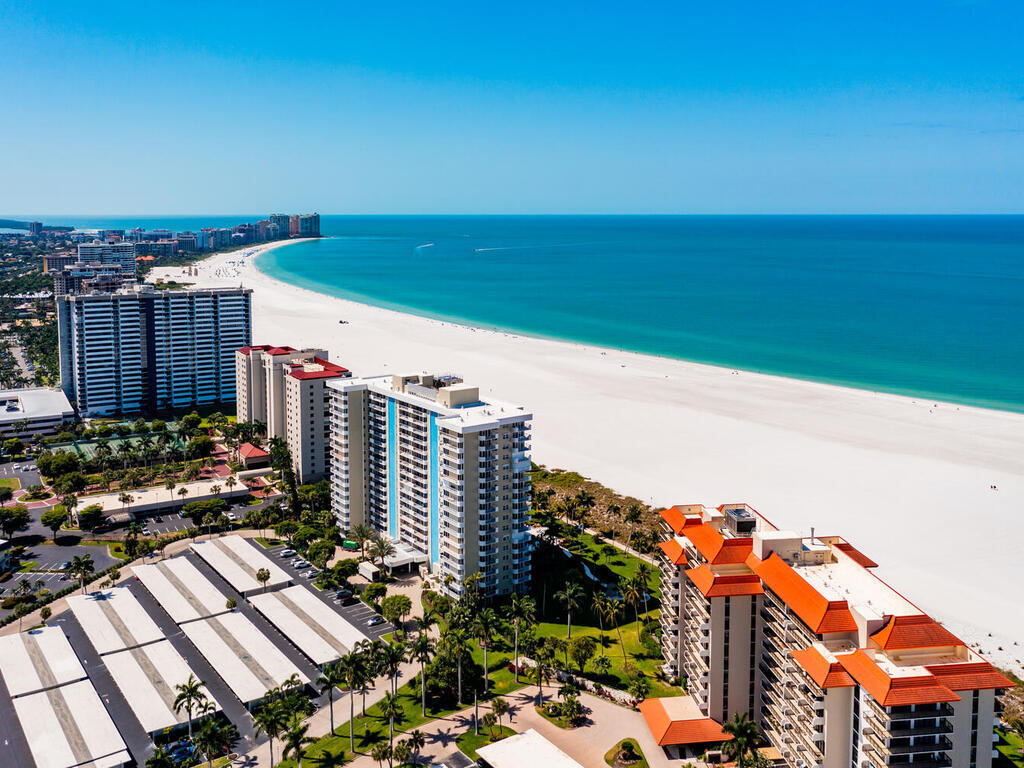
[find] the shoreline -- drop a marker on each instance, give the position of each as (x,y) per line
(907,480)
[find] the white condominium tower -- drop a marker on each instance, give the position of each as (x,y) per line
(285,389)
(121,254)
(140,350)
(838,669)
(427,462)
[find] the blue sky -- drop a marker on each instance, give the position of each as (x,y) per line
(730,107)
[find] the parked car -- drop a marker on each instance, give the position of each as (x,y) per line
(341,594)
(65,565)
(375,621)
(158,519)
(287,553)
(312,573)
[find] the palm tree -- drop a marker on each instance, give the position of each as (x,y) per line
(612,610)
(390,657)
(522,610)
(572,597)
(422,650)
(380,753)
(329,679)
(500,707)
(231,482)
(350,668)
(169,485)
(633,514)
(391,709)
(213,739)
(295,740)
(744,741)
(631,595)
(183,492)
(81,568)
(189,697)
(416,741)
(643,572)
(160,758)
(456,644)
(361,534)
(484,626)
(271,719)
(381,549)
(599,605)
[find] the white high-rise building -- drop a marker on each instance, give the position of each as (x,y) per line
(836,667)
(140,350)
(284,388)
(122,254)
(427,462)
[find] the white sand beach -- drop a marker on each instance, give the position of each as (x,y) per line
(909,482)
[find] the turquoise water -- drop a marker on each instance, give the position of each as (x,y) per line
(930,306)
(927,306)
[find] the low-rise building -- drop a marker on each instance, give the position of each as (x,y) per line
(33,411)
(798,632)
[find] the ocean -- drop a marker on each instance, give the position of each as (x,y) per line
(927,306)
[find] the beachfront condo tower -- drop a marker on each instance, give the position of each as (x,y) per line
(121,254)
(837,668)
(427,462)
(285,389)
(140,350)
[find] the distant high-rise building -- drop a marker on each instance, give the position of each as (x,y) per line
(309,225)
(283,222)
(54,262)
(285,389)
(86,278)
(140,350)
(186,242)
(35,228)
(293,225)
(426,461)
(109,253)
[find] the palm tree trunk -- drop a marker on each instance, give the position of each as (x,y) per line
(423,686)
(460,681)
(271,752)
(352,718)
(486,670)
(622,645)
(517,651)
(569,625)
(330,702)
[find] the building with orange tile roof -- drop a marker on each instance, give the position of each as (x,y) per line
(284,388)
(837,668)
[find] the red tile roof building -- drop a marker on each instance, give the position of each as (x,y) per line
(283,388)
(836,667)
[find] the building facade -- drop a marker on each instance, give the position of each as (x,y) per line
(285,389)
(425,461)
(122,254)
(140,350)
(86,278)
(838,669)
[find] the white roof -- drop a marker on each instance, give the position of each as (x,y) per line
(526,748)
(313,626)
(38,659)
(33,403)
(242,655)
(181,589)
(114,620)
(69,726)
(237,562)
(147,677)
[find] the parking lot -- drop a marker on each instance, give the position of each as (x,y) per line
(357,614)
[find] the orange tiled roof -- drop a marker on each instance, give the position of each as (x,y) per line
(903,632)
(668,732)
(721,585)
(715,548)
(677,519)
(817,612)
(970,676)
(827,674)
(673,551)
(894,691)
(250,451)
(856,555)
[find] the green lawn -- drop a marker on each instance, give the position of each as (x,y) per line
(468,743)
(10,482)
(620,673)
(1010,749)
(267,543)
(561,722)
(622,564)
(610,756)
(28,565)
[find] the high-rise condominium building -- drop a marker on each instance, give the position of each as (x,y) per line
(285,389)
(428,462)
(837,668)
(85,278)
(122,254)
(309,225)
(139,350)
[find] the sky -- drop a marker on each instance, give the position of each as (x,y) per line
(564,107)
